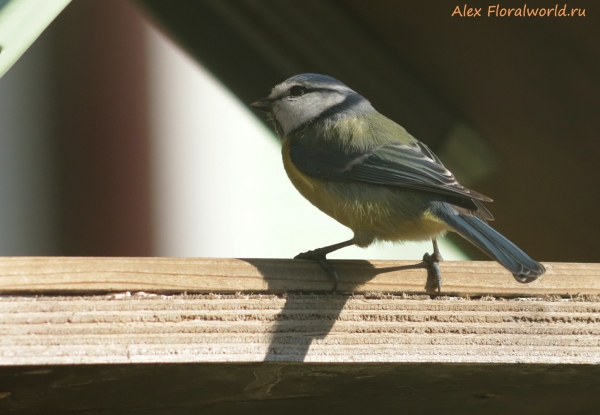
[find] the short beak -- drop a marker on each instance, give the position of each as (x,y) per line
(263,105)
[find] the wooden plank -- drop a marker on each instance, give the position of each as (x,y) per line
(151,328)
(242,311)
(45,275)
(299,389)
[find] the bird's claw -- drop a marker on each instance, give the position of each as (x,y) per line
(434,275)
(320,258)
(309,255)
(525,279)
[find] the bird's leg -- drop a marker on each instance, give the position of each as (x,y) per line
(320,254)
(434,275)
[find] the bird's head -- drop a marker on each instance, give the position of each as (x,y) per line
(306,98)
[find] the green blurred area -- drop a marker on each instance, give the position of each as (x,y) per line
(21,22)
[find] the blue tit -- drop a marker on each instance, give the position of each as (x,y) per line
(371,175)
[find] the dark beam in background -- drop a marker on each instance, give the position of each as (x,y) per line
(531,86)
(103,138)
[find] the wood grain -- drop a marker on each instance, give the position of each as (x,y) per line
(150,328)
(300,388)
(255,310)
(47,275)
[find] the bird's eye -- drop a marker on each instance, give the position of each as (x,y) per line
(297,91)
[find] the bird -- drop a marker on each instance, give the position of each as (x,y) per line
(369,174)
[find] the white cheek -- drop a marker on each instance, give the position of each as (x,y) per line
(286,119)
(292,114)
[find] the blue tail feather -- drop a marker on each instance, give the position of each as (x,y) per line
(480,234)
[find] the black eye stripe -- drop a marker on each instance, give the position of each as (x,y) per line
(297,90)
(322,90)
(307,90)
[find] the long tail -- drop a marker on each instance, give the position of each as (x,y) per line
(480,234)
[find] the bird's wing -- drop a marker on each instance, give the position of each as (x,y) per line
(412,166)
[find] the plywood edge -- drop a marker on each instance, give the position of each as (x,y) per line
(151,328)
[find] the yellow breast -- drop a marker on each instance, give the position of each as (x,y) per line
(371,211)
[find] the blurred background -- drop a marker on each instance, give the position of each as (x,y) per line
(125,129)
